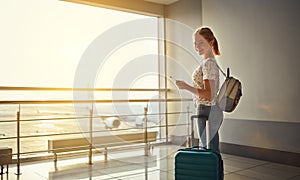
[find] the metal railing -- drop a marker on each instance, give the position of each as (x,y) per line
(91,116)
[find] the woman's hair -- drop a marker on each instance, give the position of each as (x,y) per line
(209,36)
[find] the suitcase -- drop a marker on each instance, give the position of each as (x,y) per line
(198,163)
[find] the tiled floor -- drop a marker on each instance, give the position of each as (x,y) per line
(132,165)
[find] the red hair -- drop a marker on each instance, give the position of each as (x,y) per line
(208,35)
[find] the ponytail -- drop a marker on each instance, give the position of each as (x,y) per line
(216,47)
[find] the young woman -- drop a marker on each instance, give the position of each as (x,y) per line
(205,86)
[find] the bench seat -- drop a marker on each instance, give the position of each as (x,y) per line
(65,145)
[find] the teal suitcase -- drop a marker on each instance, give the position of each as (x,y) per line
(198,164)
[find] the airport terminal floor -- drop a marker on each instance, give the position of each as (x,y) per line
(133,165)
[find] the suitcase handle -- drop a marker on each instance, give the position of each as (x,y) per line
(192,130)
(200,148)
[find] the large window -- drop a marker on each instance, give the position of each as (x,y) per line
(46,43)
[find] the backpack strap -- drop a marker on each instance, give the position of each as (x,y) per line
(228,73)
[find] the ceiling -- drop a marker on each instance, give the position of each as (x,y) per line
(165,2)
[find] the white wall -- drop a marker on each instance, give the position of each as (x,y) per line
(259,42)
(188,12)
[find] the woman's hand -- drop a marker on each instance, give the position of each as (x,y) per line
(181,84)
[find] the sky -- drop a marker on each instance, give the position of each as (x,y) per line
(42,41)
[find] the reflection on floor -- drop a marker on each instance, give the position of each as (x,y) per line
(132,165)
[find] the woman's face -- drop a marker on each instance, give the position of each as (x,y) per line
(202,46)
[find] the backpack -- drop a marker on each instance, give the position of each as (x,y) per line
(230,93)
